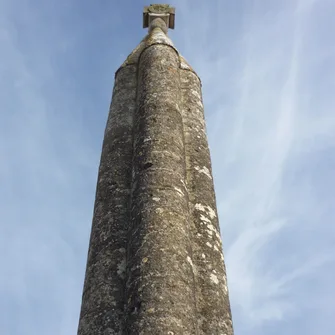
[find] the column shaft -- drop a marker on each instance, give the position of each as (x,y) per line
(103,300)
(160,287)
(214,316)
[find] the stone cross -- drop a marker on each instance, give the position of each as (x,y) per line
(163,12)
(155,262)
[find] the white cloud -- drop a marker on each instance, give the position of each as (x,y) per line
(262,133)
(268,72)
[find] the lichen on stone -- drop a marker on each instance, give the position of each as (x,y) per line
(159,8)
(155,238)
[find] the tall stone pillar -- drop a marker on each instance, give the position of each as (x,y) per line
(155,262)
(211,281)
(103,295)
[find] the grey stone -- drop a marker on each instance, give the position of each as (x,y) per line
(155,263)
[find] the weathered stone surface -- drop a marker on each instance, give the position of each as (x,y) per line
(103,296)
(214,315)
(155,262)
(161,9)
(160,284)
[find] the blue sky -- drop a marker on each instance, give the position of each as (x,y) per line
(268,73)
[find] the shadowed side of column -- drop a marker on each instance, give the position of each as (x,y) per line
(155,263)
(103,300)
(160,286)
(214,316)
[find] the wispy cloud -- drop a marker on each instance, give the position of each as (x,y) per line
(268,72)
(265,135)
(45,162)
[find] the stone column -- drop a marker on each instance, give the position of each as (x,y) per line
(103,296)
(214,316)
(155,262)
(160,286)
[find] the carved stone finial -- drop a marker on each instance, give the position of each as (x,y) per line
(163,12)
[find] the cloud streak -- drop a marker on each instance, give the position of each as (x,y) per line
(267,69)
(261,138)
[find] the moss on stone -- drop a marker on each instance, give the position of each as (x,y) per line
(159,8)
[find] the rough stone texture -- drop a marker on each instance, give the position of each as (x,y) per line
(155,37)
(159,8)
(158,23)
(155,262)
(103,296)
(160,277)
(214,316)
(164,10)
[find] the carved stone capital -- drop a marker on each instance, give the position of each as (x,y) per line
(162,11)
